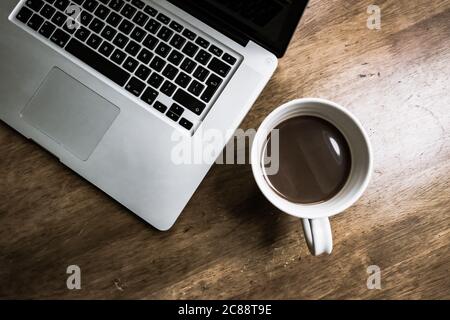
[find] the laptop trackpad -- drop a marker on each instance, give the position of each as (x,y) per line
(70,113)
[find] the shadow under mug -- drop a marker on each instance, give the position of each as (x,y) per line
(315,217)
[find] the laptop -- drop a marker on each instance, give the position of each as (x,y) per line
(105,85)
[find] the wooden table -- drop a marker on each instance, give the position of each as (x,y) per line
(230,242)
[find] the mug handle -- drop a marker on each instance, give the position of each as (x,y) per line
(318,235)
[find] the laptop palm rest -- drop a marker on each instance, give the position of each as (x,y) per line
(70,113)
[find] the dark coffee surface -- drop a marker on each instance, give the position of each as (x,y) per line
(314,160)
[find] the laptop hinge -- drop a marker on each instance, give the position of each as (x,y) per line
(203,15)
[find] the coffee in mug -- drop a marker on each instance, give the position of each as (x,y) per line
(314,160)
(320,163)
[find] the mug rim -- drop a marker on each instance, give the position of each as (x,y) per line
(297,209)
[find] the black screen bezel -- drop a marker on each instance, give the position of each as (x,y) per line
(240,33)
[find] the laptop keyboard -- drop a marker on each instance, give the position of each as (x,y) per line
(159,60)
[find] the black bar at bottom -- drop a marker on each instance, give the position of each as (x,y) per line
(98,62)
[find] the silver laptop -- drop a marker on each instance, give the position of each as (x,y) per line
(105,85)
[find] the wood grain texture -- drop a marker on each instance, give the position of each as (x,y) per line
(230,243)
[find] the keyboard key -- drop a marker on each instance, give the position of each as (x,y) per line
(35,22)
(130,64)
(24,14)
(229,59)
(189,102)
(143,72)
(62,5)
(188,65)
(150,42)
(145,56)
(96,25)
(132,48)
(157,64)
(116,5)
(52,1)
(138,3)
(176,26)
(153,26)
(219,67)
(71,26)
(163,18)
(175,57)
(173,116)
(102,1)
(212,84)
(203,57)
(177,41)
(165,34)
(47,11)
(155,80)
(190,49)
(168,88)
(106,49)
(183,80)
(189,34)
(120,40)
(170,72)
(126,26)
(109,33)
(135,86)
(78,2)
(140,18)
(59,19)
(35,5)
(85,18)
(160,107)
(97,62)
(94,41)
(186,123)
(138,34)
(201,73)
(177,109)
(196,88)
(215,50)
(90,5)
(82,33)
(47,29)
(202,42)
(150,10)
(150,96)
(118,56)
(162,50)
(114,19)
(102,12)
(60,38)
(128,11)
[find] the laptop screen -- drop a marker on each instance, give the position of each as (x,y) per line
(270,23)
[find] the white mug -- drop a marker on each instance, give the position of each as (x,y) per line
(315,217)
